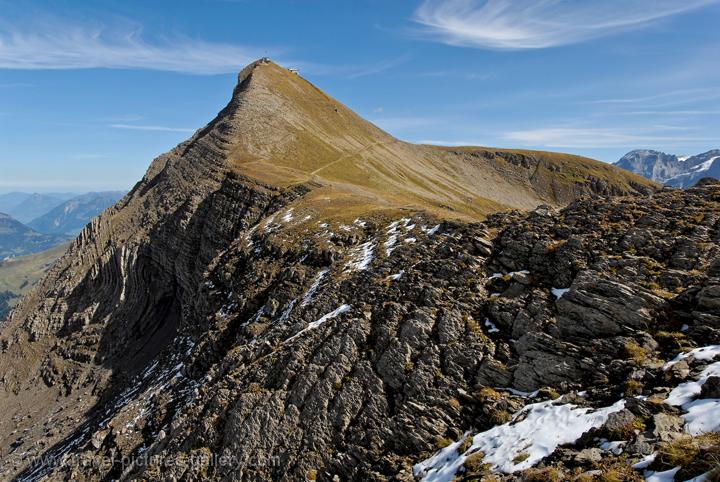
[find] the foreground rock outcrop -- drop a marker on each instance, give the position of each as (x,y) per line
(225,323)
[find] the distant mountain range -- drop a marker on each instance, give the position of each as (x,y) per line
(72,215)
(16,239)
(676,171)
(60,220)
(25,206)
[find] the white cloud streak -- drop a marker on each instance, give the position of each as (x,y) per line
(584,138)
(676,97)
(135,127)
(51,43)
(534,24)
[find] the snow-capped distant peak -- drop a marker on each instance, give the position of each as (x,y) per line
(683,158)
(705,165)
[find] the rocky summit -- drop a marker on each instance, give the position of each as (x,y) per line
(293,294)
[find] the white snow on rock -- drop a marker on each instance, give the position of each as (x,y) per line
(519,393)
(533,434)
(361,257)
(645,462)
(492,328)
(288,216)
(397,276)
(705,165)
(313,287)
(704,353)
(559,292)
(686,392)
(702,477)
(702,416)
(501,275)
(311,326)
(268,223)
(286,312)
(433,230)
(616,447)
(394,233)
(666,476)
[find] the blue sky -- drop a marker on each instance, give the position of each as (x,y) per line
(91,92)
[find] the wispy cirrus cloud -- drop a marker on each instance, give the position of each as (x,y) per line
(675,97)
(696,112)
(54,43)
(599,137)
(135,127)
(533,24)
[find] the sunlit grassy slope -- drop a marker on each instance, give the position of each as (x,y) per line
(288,132)
(20,274)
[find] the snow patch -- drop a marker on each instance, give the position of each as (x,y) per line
(666,476)
(616,447)
(559,292)
(313,287)
(702,416)
(342,309)
(512,273)
(686,392)
(432,230)
(286,312)
(533,434)
(520,393)
(492,328)
(704,353)
(288,216)
(645,462)
(397,276)
(705,165)
(361,257)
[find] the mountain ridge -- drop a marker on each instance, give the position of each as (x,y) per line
(26,206)
(72,215)
(344,149)
(269,219)
(670,169)
(17,239)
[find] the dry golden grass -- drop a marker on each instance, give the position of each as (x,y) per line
(291,132)
(549,474)
(696,455)
(474,463)
(635,352)
(21,274)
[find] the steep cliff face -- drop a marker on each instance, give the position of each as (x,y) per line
(672,170)
(294,284)
(654,165)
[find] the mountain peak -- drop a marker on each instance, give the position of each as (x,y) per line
(670,169)
(284,131)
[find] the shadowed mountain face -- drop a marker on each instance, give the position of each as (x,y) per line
(72,215)
(296,285)
(670,169)
(16,239)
